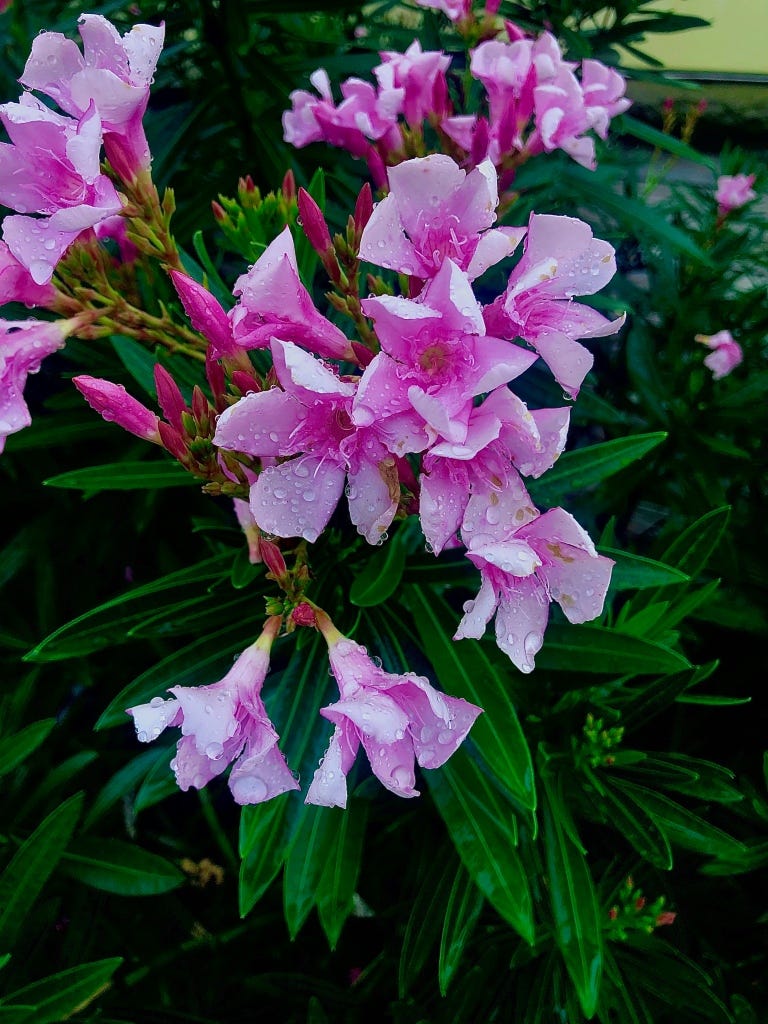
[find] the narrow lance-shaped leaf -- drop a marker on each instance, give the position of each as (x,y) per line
(115,866)
(16,748)
(58,996)
(465,903)
(315,837)
(338,881)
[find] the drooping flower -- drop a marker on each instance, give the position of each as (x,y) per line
(561,259)
(436,211)
(527,560)
(398,719)
(117,406)
(113,73)
(726,353)
(52,168)
(23,346)
(603,89)
(734,191)
(205,312)
(223,723)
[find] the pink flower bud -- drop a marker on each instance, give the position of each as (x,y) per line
(216,380)
(205,312)
(313,223)
(245,382)
(513,31)
(303,615)
(666,917)
(219,213)
(272,558)
(172,441)
(288,188)
(169,396)
(363,208)
(492,7)
(117,406)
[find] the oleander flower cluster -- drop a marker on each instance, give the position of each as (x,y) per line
(534,103)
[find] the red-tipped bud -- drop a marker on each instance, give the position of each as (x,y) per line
(219,213)
(377,167)
(492,8)
(640,902)
(169,396)
(288,187)
(245,382)
(272,558)
(613,913)
(117,406)
(172,441)
(303,614)
(480,139)
(701,106)
(246,184)
(205,313)
(215,375)
(666,917)
(313,223)
(363,208)
(513,31)
(668,105)
(363,354)
(201,408)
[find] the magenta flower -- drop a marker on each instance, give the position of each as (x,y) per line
(117,406)
(113,73)
(527,560)
(23,346)
(561,259)
(562,119)
(436,211)
(421,76)
(17,284)
(435,358)
(508,72)
(52,168)
(398,719)
(726,353)
(456,10)
(603,89)
(221,724)
(274,303)
(734,191)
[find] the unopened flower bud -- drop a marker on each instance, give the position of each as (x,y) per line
(272,558)
(513,31)
(288,187)
(666,917)
(303,614)
(219,212)
(313,223)
(117,406)
(215,376)
(169,396)
(201,409)
(205,312)
(245,382)
(363,208)
(172,441)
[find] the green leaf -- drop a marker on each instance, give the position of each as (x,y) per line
(124,476)
(660,140)
(23,879)
(58,996)
(338,881)
(690,551)
(578,931)
(315,837)
(483,828)
(100,626)
(605,652)
(423,927)
(711,700)
(465,903)
(586,467)
(464,670)
(159,783)
(381,576)
(15,749)
(137,360)
(634,572)
(115,866)
(637,826)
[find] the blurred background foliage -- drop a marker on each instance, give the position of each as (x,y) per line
(119,897)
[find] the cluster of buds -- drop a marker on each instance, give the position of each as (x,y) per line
(631,912)
(250,220)
(534,104)
(598,742)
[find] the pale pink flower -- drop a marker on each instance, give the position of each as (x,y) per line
(23,346)
(734,191)
(726,353)
(52,168)
(17,285)
(527,560)
(117,406)
(435,211)
(223,723)
(275,304)
(398,719)
(456,10)
(508,72)
(113,73)
(421,76)
(603,89)
(561,259)
(562,119)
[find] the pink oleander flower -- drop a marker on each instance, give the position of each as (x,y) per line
(275,304)
(223,723)
(205,312)
(734,191)
(23,346)
(562,119)
(561,259)
(113,73)
(527,560)
(726,353)
(456,10)
(309,416)
(435,357)
(115,405)
(509,74)
(398,719)
(421,76)
(51,167)
(435,211)
(603,89)
(17,284)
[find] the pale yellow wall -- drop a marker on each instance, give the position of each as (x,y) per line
(737,40)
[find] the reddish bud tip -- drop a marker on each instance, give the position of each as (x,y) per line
(363,208)
(513,31)
(169,396)
(313,223)
(640,902)
(364,355)
(288,187)
(303,615)
(219,212)
(666,917)
(246,184)
(613,913)
(172,441)
(245,382)
(701,106)
(200,407)
(668,105)
(272,558)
